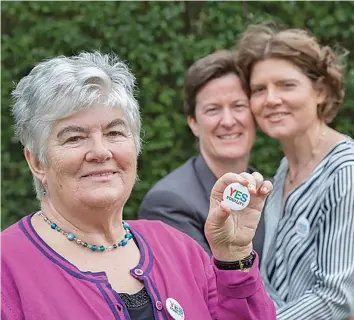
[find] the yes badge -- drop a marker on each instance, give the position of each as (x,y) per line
(236,196)
(174,309)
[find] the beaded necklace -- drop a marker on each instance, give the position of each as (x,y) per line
(71,236)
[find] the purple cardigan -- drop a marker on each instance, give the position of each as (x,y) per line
(39,284)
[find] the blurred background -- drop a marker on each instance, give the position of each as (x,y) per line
(159,40)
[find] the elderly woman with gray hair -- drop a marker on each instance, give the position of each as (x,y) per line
(76,257)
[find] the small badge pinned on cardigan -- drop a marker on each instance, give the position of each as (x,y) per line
(236,196)
(174,309)
(302,227)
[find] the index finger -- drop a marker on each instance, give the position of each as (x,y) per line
(226,180)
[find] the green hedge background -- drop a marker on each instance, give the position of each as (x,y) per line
(159,40)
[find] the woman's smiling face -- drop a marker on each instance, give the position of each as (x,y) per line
(283,99)
(91,158)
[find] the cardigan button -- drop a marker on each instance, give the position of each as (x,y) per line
(138,272)
(158,305)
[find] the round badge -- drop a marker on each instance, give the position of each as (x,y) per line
(174,309)
(302,227)
(236,196)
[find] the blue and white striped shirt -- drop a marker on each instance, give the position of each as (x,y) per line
(308,255)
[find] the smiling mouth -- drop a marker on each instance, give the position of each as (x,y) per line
(105,174)
(276,116)
(230,137)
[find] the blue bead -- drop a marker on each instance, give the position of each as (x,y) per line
(53,225)
(93,247)
(124,242)
(71,236)
(125,225)
(128,236)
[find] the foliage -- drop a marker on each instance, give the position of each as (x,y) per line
(159,40)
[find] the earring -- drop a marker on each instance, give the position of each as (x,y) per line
(44,192)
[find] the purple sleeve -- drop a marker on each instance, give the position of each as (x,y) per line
(10,301)
(7,313)
(238,294)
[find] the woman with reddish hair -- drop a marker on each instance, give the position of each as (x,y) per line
(296,87)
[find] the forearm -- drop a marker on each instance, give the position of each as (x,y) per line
(243,294)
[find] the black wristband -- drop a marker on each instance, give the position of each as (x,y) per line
(237,265)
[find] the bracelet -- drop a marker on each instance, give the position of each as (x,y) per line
(237,265)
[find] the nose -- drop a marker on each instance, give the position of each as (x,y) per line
(98,150)
(272,99)
(227,118)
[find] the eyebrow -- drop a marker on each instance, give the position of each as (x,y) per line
(240,101)
(73,128)
(232,102)
(282,80)
(116,123)
(70,129)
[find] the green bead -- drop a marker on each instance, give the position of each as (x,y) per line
(102,248)
(85,244)
(115,246)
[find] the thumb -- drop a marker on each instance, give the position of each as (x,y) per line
(219,215)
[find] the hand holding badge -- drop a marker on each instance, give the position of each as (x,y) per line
(236,203)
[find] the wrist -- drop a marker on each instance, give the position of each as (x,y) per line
(242,265)
(232,253)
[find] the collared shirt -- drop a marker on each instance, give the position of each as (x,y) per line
(308,257)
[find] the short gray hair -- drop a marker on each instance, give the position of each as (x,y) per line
(63,85)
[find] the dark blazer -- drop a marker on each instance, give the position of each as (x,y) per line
(181,199)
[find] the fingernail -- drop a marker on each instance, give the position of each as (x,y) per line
(252,187)
(264,189)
